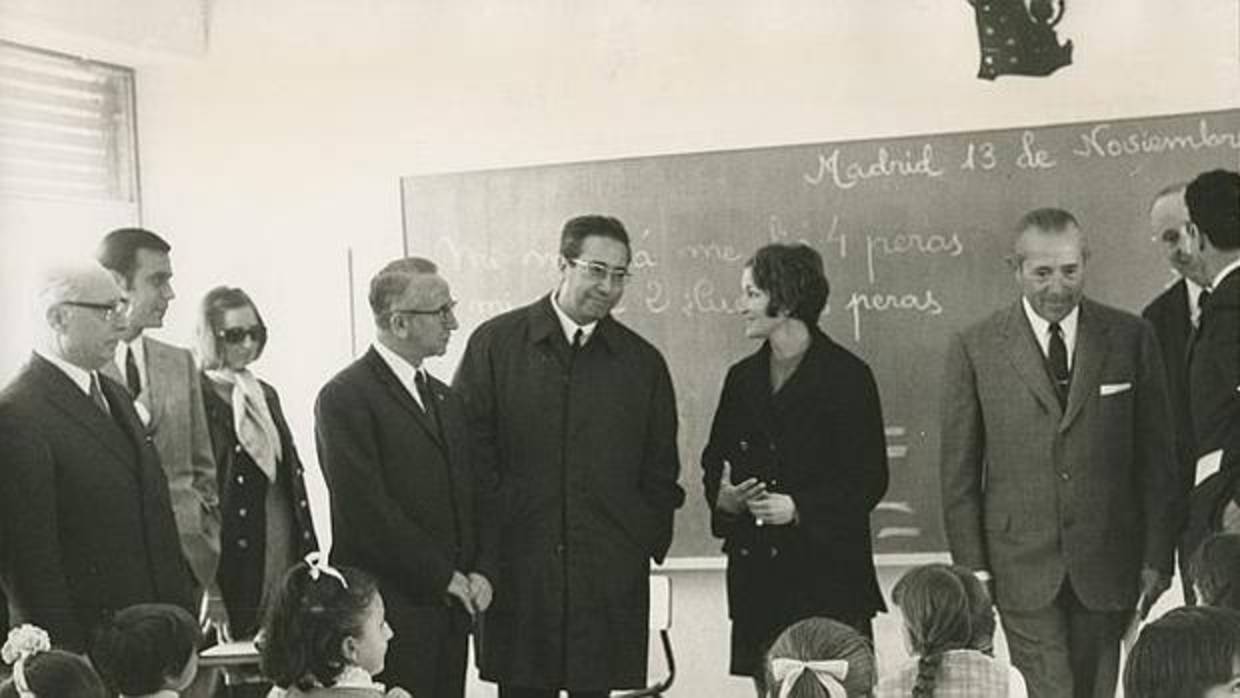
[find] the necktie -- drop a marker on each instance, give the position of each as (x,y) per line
(96,394)
(578,340)
(428,399)
(133,379)
(1057,356)
(1201,306)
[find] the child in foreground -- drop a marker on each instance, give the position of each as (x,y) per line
(42,672)
(148,650)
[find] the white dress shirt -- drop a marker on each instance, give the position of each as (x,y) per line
(569,327)
(405,371)
(1042,329)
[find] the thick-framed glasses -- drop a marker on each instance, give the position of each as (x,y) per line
(598,271)
(111,311)
(444,311)
(237,335)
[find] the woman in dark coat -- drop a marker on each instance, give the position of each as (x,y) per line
(266,514)
(796,462)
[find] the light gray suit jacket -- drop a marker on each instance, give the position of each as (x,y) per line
(1035,493)
(172,398)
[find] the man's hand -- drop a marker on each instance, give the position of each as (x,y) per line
(458,587)
(1153,584)
(480,591)
(772,509)
(733,498)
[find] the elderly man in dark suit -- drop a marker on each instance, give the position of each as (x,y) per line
(573,415)
(1174,314)
(88,522)
(1057,465)
(393,447)
(1213,200)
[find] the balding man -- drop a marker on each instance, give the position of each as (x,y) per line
(88,523)
(1057,465)
(393,447)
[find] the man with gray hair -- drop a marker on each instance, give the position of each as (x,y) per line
(87,518)
(393,446)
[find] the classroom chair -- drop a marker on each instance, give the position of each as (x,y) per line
(661,621)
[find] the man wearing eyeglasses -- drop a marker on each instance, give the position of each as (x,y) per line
(85,509)
(393,445)
(574,421)
(165,389)
(1174,314)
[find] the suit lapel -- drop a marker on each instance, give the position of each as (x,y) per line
(159,365)
(1090,354)
(1026,357)
(70,399)
(383,373)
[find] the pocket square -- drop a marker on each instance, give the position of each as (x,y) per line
(1113,388)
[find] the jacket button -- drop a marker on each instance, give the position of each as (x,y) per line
(1065,476)
(237,448)
(241,512)
(240,479)
(303,504)
(744,552)
(559,548)
(774,552)
(243,543)
(305,535)
(773,482)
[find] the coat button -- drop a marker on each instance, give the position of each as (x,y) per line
(303,504)
(241,512)
(1065,476)
(305,535)
(559,548)
(774,551)
(240,479)
(237,448)
(744,552)
(744,445)
(774,482)
(243,543)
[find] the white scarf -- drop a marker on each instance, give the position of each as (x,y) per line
(256,430)
(829,672)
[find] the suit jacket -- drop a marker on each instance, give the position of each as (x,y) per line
(1214,368)
(172,397)
(402,494)
(86,510)
(243,508)
(820,440)
(583,451)
(1173,326)
(1035,493)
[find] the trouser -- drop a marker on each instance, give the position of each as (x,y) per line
(1065,649)
(428,650)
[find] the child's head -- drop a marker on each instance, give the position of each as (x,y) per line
(146,648)
(981,610)
(937,618)
(42,672)
(1215,570)
(322,620)
(814,653)
(1191,652)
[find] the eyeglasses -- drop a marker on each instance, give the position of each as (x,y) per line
(237,335)
(444,311)
(1171,236)
(598,271)
(110,311)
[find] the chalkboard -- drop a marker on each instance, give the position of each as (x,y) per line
(914,232)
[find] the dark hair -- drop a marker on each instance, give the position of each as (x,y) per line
(307,623)
(981,610)
(937,617)
(57,673)
(792,274)
(143,646)
(576,230)
(1215,568)
(119,249)
(392,282)
(1213,201)
(1184,653)
(815,639)
(218,301)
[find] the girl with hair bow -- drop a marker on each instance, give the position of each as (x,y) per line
(820,658)
(42,672)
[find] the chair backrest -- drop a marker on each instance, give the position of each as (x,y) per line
(660,602)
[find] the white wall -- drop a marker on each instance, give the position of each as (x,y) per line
(281,147)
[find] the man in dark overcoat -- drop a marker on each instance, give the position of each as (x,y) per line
(574,419)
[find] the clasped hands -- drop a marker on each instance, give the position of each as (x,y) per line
(767,508)
(472,590)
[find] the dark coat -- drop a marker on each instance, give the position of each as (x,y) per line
(88,521)
(583,453)
(402,497)
(1036,493)
(243,499)
(820,440)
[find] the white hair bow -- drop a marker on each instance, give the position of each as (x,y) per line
(829,672)
(317,562)
(24,642)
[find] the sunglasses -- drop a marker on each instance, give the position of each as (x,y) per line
(237,335)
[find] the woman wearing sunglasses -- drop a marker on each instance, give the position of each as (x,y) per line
(265,512)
